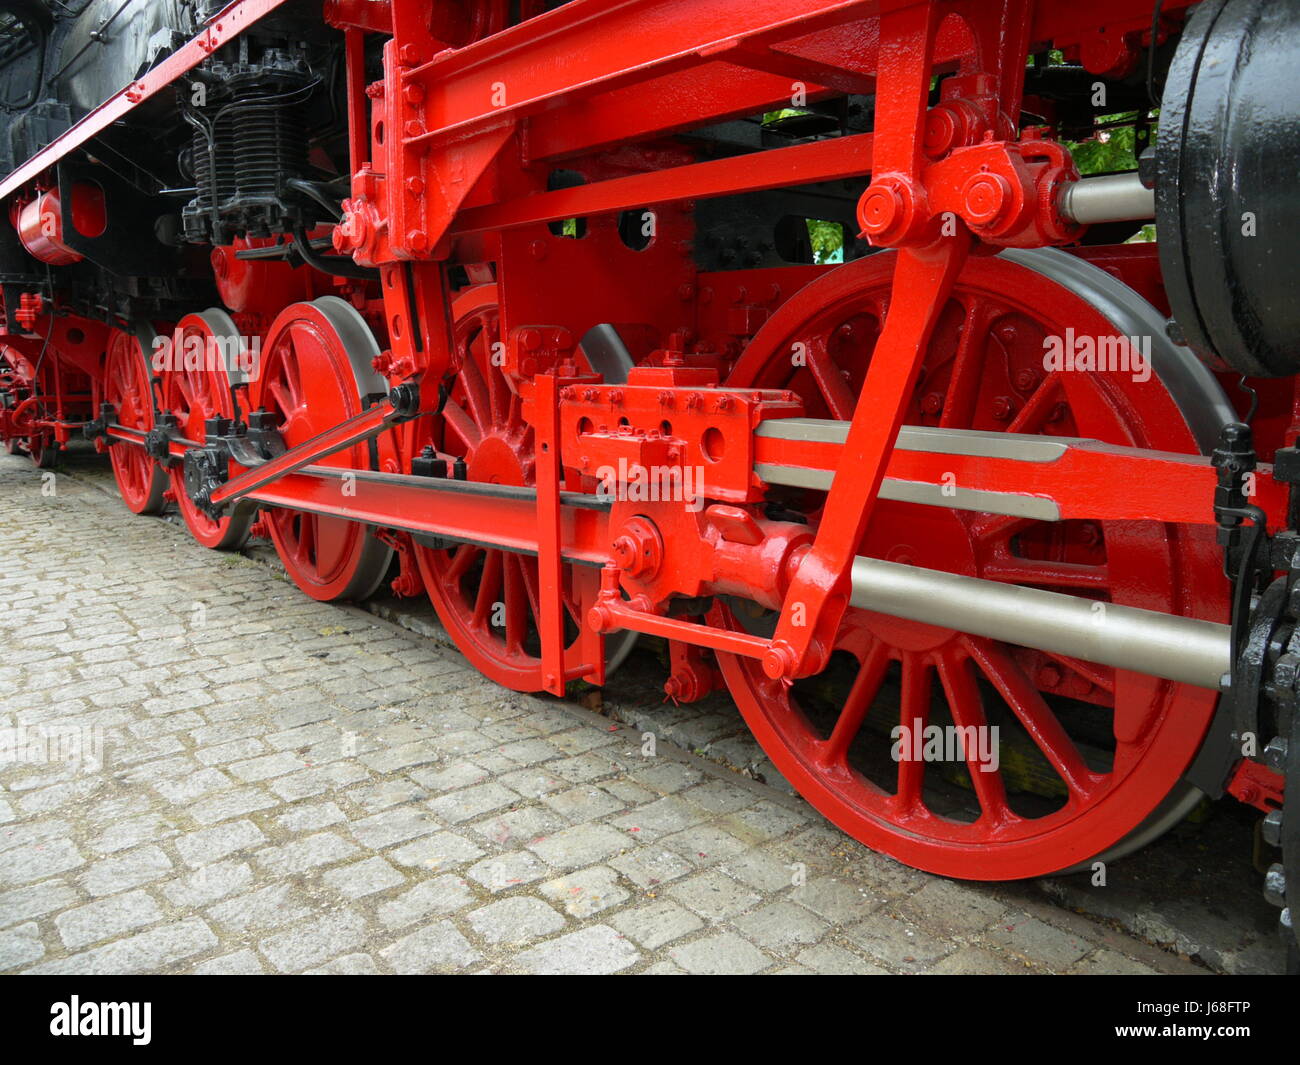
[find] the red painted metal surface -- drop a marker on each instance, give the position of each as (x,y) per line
(511,496)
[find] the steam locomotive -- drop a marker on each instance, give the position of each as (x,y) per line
(825,341)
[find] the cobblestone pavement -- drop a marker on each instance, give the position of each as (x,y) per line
(288,786)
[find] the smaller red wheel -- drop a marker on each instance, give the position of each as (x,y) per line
(316,367)
(140,481)
(206,353)
(42,450)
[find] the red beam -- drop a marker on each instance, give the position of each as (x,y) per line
(594,45)
(798,165)
(457,510)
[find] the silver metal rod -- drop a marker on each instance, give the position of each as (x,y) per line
(1021,447)
(1111,198)
(1145,641)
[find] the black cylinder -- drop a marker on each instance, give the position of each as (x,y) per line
(1228,185)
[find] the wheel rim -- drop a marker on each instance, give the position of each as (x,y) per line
(196,387)
(819,733)
(315,369)
(140,482)
(488,599)
(42,450)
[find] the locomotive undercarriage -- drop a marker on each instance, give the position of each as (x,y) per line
(467,301)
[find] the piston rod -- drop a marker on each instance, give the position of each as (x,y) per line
(1145,641)
(1109,198)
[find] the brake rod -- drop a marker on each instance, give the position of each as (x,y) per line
(401,404)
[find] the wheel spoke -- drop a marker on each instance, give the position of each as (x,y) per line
(866,685)
(834,389)
(1038,408)
(500,396)
(528,569)
(958,681)
(914,715)
(462,558)
(489,590)
(1098,676)
(463,426)
(967,366)
(477,398)
(1029,706)
(516,602)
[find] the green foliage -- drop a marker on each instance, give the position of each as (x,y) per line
(1110,150)
(786,112)
(827,241)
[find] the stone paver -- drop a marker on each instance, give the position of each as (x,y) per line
(288,786)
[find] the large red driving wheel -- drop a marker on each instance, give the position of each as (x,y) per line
(1104,750)
(487,599)
(315,370)
(206,351)
(140,481)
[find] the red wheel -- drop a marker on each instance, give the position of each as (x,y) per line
(10,386)
(316,367)
(196,386)
(488,599)
(42,450)
(1092,758)
(140,481)
(10,394)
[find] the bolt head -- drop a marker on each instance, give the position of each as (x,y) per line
(778,661)
(1026,380)
(985,198)
(879,209)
